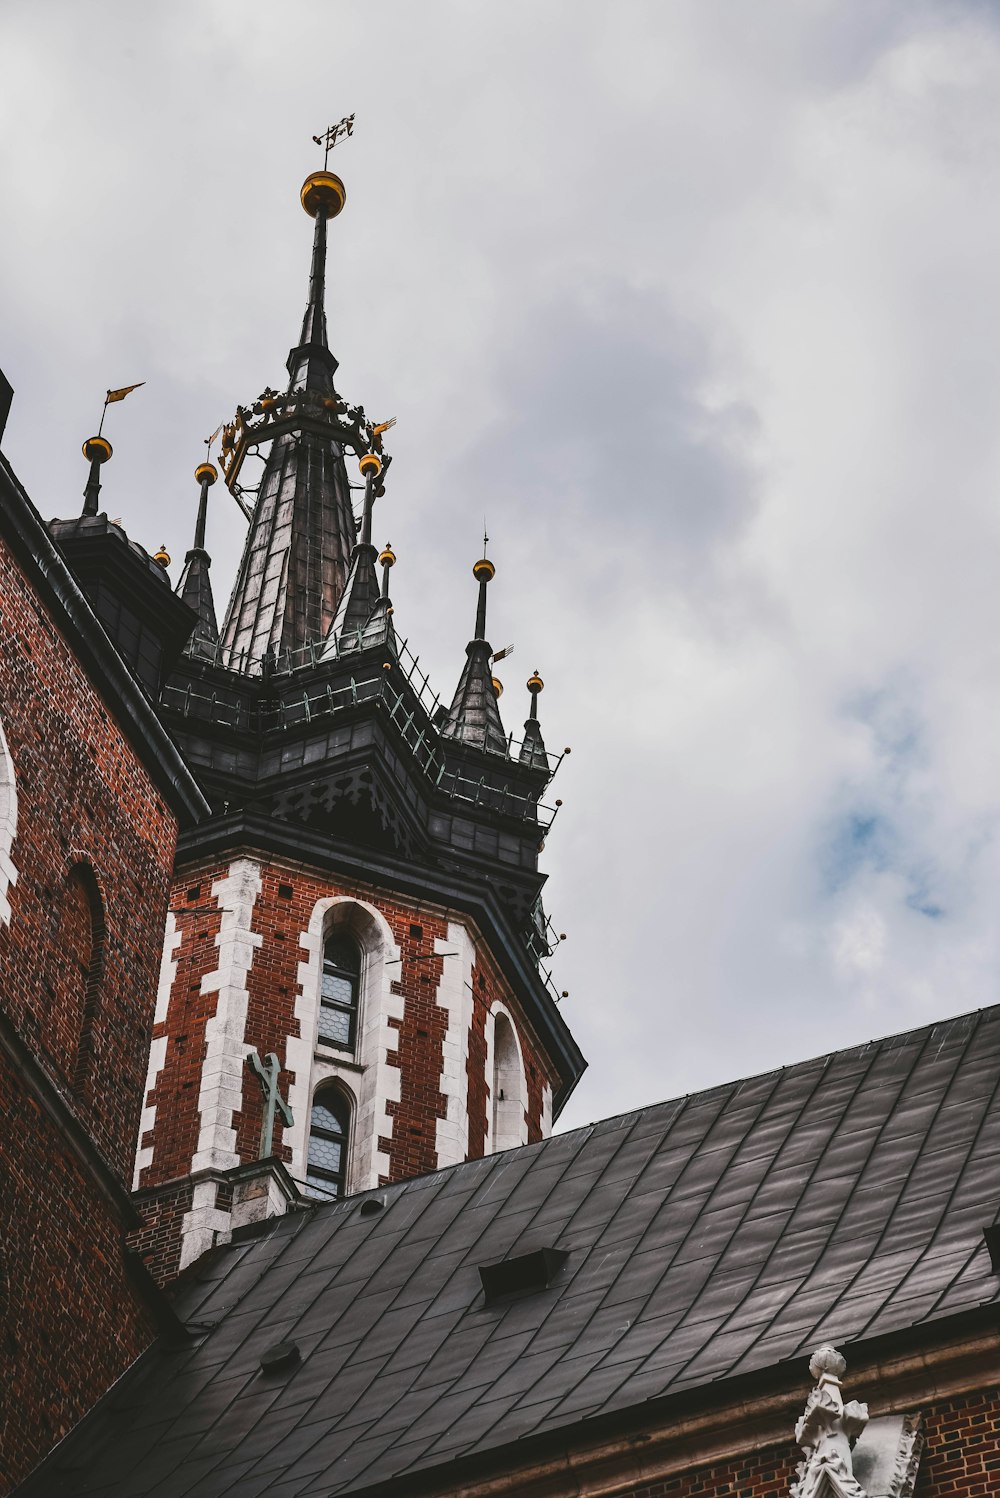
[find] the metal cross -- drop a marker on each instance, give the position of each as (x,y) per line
(267,1072)
(330,137)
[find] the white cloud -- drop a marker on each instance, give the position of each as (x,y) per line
(699,303)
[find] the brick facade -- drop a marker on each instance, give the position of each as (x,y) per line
(241,970)
(961,1459)
(91,854)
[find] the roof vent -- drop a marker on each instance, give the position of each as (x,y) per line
(523,1275)
(371,1206)
(992,1236)
(279,1357)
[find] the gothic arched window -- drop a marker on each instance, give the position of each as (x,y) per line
(508,1089)
(75,975)
(338,1004)
(329,1136)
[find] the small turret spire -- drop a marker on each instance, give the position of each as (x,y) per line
(99,451)
(474,717)
(387,560)
(195,586)
(533,747)
(354,625)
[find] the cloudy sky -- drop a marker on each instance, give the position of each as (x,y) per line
(698,302)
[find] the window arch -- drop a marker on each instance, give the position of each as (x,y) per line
(329,1142)
(8,825)
(76,975)
(341,986)
(507,1087)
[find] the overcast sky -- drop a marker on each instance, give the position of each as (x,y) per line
(699,304)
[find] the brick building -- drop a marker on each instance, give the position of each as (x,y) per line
(363,1263)
(92,792)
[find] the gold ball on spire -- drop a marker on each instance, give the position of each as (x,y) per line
(535,684)
(370,463)
(497,686)
(97,447)
(483,570)
(162,557)
(387,557)
(323,190)
(206,473)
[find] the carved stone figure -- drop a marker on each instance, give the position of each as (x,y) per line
(827,1431)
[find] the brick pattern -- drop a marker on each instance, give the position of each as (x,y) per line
(158,1241)
(412,1150)
(71,1324)
(281,914)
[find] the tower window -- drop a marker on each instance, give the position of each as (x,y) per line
(329,1130)
(507,1090)
(338,1009)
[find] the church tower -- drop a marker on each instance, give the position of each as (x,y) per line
(352,987)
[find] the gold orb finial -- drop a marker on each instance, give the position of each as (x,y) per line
(370,463)
(535,684)
(162,557)
(497,686)
(206,473)
(387,557)
(323,190)
(97,447)
(483,570)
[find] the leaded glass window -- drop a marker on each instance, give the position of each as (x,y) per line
(338,1007)
(329,1127)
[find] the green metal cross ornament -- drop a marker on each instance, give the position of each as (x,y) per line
(267,1073)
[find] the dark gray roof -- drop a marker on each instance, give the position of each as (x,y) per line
(838,1199)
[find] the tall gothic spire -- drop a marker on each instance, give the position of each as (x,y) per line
(195,585)
(474,717)
(298,549)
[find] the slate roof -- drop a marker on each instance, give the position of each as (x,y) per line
(720,1234)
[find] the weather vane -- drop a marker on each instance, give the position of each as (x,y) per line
(330,137)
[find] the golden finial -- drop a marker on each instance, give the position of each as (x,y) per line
(370,463)
(497,686)
(162,557)
(97,449)
(206,473)
(535,684)
(483,569)
(387,557)
(323,190)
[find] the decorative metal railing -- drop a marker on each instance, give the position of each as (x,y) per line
(225,706)
(402,708)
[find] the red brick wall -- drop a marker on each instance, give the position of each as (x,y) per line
(71,1325)
(67,980)
(158,1241)
(961,1459)
(272,984)
(69,1321)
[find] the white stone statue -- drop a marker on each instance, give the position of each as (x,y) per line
(827,1431)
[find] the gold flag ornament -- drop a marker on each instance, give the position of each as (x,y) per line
(119,395)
